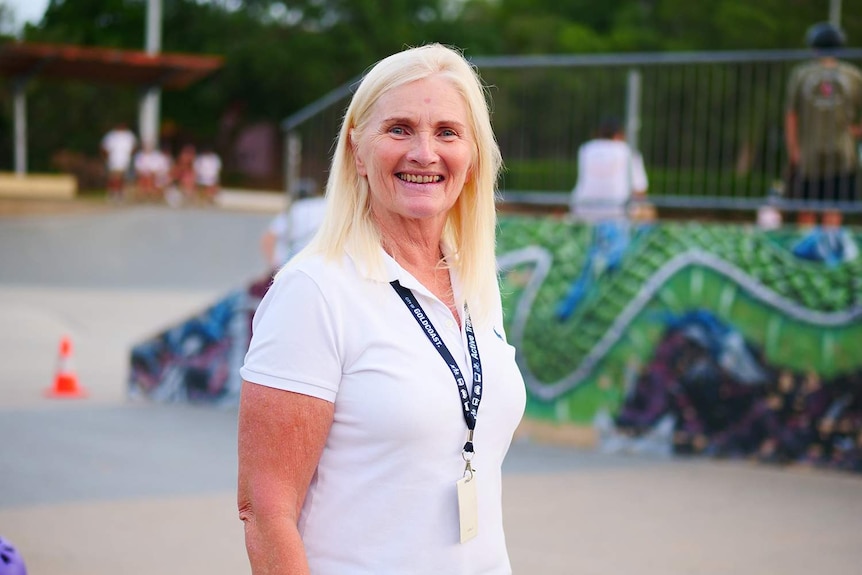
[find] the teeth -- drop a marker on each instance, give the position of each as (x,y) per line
(420,179)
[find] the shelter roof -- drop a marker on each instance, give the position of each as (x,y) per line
(171,71)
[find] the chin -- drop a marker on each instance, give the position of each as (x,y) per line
(422,211)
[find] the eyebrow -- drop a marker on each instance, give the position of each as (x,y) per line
(406,120)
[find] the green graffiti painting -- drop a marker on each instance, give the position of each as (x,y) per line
(806,315)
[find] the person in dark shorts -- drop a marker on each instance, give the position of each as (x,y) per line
(823,120)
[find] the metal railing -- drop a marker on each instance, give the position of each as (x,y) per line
(708,124)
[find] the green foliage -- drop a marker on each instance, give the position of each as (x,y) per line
(280,56)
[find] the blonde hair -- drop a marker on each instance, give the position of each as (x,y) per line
(470,228)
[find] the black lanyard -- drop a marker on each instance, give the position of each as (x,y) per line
(470,405)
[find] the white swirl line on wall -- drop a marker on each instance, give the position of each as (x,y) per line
(542,260)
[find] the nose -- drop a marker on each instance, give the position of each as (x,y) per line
(424,150)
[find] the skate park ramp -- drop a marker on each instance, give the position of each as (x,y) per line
(102,484)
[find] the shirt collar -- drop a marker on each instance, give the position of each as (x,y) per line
(391,270)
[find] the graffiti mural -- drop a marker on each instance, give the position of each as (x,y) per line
(732,340)
(695,338)
(198,360)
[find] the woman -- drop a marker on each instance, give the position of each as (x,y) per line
(355,449)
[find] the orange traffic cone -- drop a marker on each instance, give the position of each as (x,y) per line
(65,381)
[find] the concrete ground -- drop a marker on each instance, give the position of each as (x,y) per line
(103,485)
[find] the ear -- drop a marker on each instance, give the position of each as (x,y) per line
(361,169)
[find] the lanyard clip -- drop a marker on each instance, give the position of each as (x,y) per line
(469,471)
(468,454)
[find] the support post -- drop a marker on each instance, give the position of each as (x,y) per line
(151,101)
(293,162)
(149,116)
(20,106)
(633,107)
(835,12)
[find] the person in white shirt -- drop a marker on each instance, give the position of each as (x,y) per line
(292,229)
(610,174)
(118,146)
(380,395)
(152,172)
(207,168)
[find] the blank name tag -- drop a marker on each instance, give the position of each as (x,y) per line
(468,508)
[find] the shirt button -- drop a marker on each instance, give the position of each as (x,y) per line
(450,324)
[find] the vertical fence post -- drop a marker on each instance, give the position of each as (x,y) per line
(633,113)
(633,107)
(20,106)
(293,160)
(835,12)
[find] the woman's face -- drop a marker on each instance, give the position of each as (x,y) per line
(416,151)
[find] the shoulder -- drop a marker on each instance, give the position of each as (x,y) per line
(303,281)
(850,70)
(311,277)
(801,71)
(593,148)
(611,148)
(319,270)
(808,68)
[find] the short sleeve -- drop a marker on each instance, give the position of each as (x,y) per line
(578,190)
(639,177)
(294,339)
(857,94)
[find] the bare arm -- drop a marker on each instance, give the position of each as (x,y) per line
(267,247)
(281,437)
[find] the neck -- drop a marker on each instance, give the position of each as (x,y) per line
(414,256)
(420,254)
(412,243)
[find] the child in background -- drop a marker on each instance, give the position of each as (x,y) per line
(207,168)
(183,174)
(152,170)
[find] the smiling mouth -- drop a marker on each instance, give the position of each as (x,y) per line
(414,179)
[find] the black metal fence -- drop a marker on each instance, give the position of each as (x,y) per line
(709,124)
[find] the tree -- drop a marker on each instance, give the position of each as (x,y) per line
(281,55)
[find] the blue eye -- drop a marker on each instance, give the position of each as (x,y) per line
(397,130)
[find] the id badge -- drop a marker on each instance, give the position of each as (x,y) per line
(468,507)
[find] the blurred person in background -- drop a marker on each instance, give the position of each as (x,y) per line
(207,168)
(152,170)
(610,175)
(823,121)
(292,229)
(183,178)
(610,191)
(118,147)
(379,349)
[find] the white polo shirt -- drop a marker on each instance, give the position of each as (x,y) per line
(383,499)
